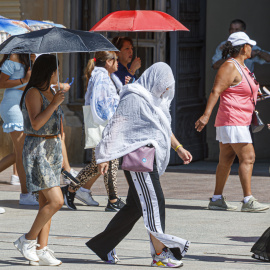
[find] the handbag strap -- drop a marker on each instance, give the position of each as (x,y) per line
(246,79)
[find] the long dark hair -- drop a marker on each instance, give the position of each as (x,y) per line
(231,50)
(42,71)
(23,59)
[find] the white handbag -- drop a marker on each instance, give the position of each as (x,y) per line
(93,132)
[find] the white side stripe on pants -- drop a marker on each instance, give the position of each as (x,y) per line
(151,216)
(149,201)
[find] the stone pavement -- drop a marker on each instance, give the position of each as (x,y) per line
(220,240)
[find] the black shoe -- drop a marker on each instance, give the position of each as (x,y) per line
(115,207)
(69,198)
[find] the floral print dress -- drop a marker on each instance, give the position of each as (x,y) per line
(42,158)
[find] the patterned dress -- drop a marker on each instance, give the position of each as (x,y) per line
(42,158)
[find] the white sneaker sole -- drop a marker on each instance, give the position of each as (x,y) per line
(255,210)
(43,264)
(221,208)
(15,183)
(33,204)
(164,265)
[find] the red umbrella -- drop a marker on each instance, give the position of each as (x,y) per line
(138,21)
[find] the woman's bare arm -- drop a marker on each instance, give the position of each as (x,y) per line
(33,103)
(227,75)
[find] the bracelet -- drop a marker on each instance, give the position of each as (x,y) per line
(21,81)
(180,145)
(131,71)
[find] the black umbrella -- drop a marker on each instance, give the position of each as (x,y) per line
(56,40)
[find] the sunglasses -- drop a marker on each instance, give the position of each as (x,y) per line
(252,75)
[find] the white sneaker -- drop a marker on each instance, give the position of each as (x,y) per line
(46,257)
(2,210)
(112,257)
(15,180)
(73,173)
(27,248)
(253,206)
(86,197)
(166,259)
(28,199)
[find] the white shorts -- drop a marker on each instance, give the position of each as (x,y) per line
(233,134)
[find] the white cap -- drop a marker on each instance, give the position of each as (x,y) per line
(241,38)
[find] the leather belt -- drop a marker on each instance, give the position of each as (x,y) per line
(43,136)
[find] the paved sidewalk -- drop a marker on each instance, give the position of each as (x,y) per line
(220,240)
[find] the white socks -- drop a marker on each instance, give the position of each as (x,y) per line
(246,199)
(216,197)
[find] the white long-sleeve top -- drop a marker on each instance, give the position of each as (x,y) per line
(101,95)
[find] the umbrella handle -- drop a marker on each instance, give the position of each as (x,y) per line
(58,83)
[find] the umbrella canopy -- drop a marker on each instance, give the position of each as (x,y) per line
(138,21)
(53,40)
(13,27)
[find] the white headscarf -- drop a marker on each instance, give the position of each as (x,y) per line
(142,118)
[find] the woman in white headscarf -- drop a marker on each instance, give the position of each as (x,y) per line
(142,118)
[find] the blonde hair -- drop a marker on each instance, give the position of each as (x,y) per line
(99,60)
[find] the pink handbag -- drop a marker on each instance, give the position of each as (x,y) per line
(140,160)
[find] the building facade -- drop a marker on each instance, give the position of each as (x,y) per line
(183,51)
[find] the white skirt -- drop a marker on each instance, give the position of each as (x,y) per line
(233,134)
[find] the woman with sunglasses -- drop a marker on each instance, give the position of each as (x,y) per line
(105,85)
(238,90)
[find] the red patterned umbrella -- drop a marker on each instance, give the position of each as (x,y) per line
(138,21)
